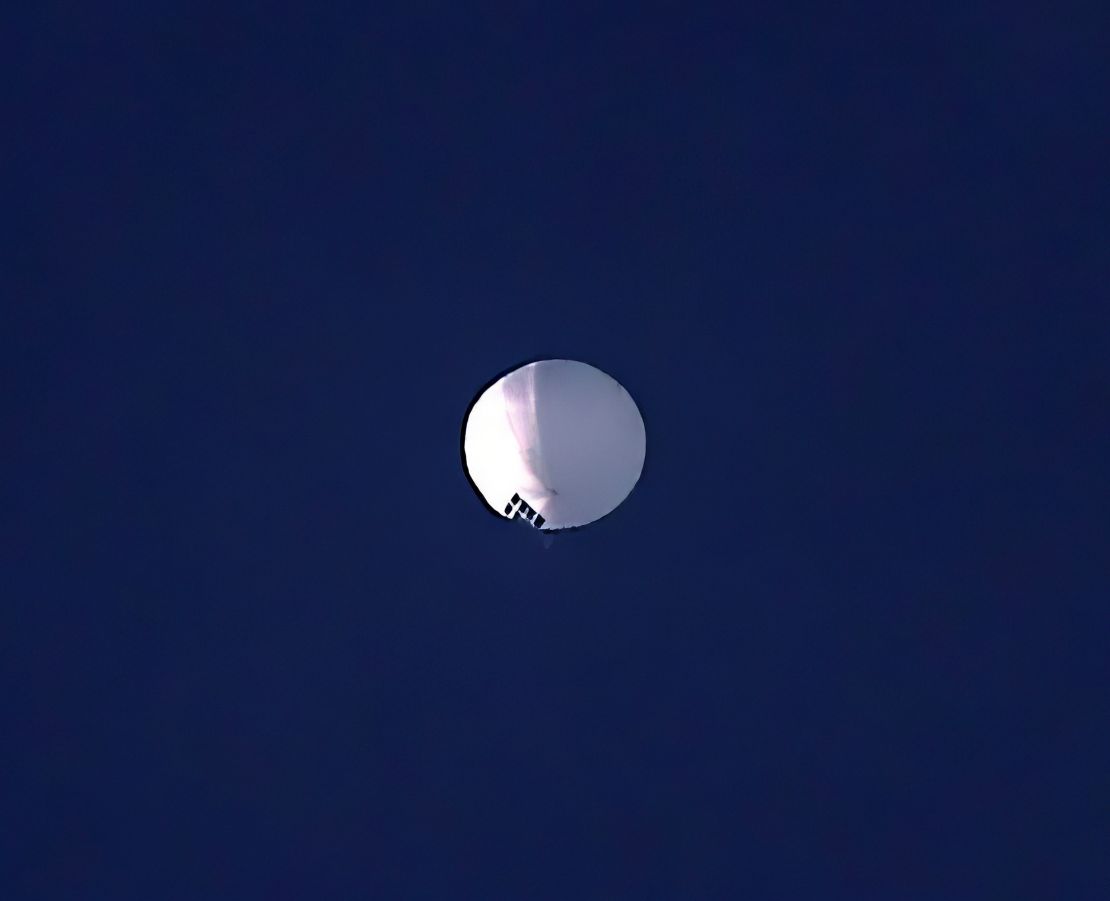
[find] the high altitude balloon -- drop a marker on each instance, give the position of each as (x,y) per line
(557,442)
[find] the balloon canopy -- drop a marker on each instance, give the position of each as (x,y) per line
(558,443)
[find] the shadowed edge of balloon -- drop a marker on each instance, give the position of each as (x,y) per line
(462,443)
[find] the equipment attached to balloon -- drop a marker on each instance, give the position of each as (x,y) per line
(518,508)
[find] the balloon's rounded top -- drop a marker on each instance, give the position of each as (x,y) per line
(557,442)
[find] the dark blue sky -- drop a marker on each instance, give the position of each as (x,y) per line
(847,639)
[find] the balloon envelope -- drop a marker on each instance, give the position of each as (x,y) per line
(557,437)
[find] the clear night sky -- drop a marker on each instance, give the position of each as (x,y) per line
(846,640)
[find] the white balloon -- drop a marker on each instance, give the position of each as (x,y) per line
(557,442)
